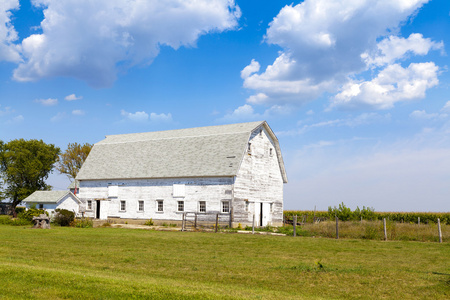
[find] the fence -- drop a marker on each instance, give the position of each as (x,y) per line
(210,220)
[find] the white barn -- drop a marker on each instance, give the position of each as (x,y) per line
(233,169)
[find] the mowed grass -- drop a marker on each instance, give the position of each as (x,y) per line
(114,263)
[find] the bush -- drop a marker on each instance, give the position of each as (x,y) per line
(20,209)
(149,222)
(30,213)
(343,212)
(63,217)
(5,220)
(82,223)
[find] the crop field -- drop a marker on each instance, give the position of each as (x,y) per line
(117,263)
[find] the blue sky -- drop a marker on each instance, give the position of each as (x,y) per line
(356,91)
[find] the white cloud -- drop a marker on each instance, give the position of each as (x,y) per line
(73,97)
(92,41)
(78,112)
(5,111)
(47,102)
(393,84)
(142,116)
(446,107)
(327,41)
(161,117)
(393,48)
(139,116)
(8,35)
(246,113)
(58,117)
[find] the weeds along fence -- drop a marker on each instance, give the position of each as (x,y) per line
(310,216)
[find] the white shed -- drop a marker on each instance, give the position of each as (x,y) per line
(51,200)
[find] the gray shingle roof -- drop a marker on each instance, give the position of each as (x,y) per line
(47,196)
(193,152)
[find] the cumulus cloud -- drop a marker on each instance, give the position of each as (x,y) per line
(446,107)
(393,84)
(73,97)
(93,40)
(393,48)
(5,111)
(78,112)
(58,117)
(246,112)
(326,42)
(161,117)
(139,116)
(47,102)
(8,35)
(142,116)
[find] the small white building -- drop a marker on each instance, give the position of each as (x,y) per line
(233,169)
(51,200)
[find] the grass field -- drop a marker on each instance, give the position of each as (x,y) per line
(114,263)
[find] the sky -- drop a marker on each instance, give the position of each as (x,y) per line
(357,91)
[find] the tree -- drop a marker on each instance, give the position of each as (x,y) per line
(24,167)
(72,159)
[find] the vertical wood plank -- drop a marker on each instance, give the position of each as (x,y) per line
(253,224)
(337,228)
(217,221)
(295,225)
(385,231)
(439,230)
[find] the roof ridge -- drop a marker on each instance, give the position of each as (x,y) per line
(103,142)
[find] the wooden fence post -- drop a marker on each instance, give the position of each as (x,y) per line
(418,221)
(385,231)
(314,220)
(217,221)
(295,225)
(195,221)
(231,217)
(253,224)
(183,222)
(439,229)
(337,228)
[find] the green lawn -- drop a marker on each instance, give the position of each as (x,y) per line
(114,263)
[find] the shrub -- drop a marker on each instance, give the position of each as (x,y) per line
(149,222)
(30,213)
(63,217)
(20,209)
(343,212)
(5,220)
(82,223)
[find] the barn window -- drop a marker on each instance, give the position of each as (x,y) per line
(89,204)
(249,148)
(225,206)
(180,205)
(160,205)
(123,205)
(141,205)
(271,207)
(271,152)
(202,206)
(178,190)
(41,206)
(246,205)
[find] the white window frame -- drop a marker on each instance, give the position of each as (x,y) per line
(225,206)
(139,206)
(89,205)
(202,204)
(247,204)
(162,205)
(124,204)
(181,202)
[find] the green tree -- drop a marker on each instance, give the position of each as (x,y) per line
(24,167)
(72,159)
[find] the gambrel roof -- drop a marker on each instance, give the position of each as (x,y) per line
(49,196)
(212,151)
